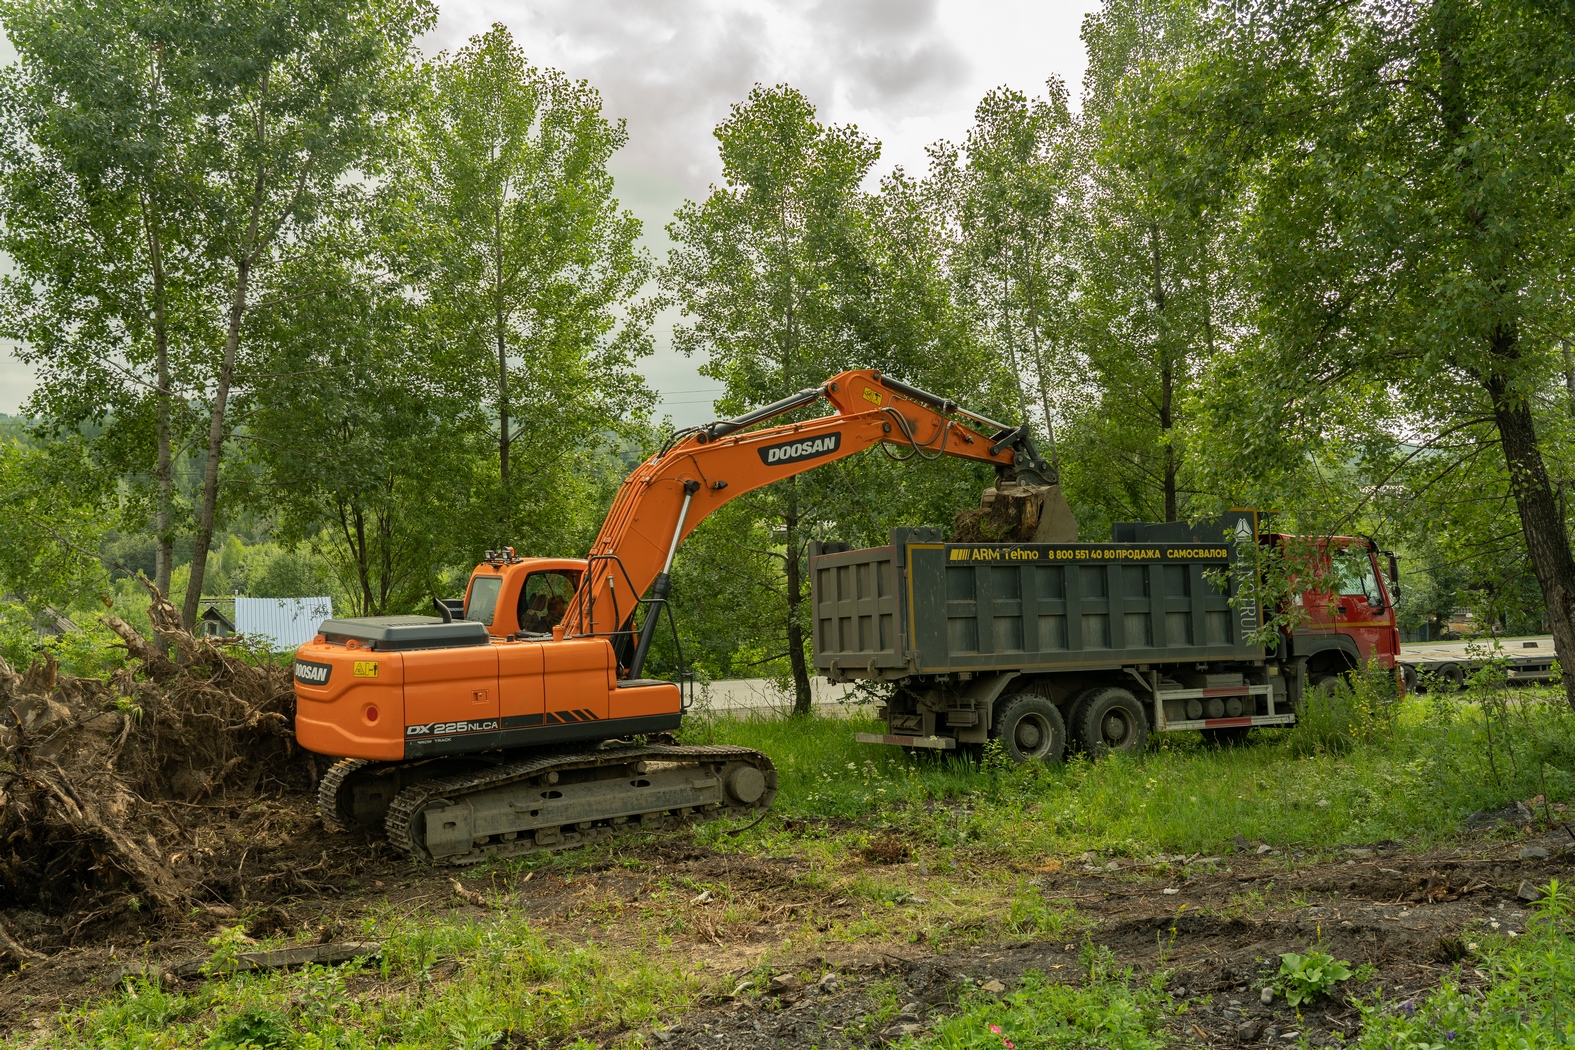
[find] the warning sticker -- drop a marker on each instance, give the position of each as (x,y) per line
(871,396)
(365,669)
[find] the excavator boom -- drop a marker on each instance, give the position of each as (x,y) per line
(665,498)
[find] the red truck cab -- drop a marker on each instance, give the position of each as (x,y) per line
(1347,617)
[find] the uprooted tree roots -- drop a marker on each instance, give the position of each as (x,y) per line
(102,782)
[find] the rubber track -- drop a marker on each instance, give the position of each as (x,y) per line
(408,803)
(328,792)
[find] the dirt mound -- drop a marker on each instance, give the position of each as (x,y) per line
(103,782)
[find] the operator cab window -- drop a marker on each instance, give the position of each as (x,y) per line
(544,599)
(483,599)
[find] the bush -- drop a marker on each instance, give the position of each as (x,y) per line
(1303,978)
(1358,709)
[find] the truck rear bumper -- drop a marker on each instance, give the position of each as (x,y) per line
(939,743)
(1228,723)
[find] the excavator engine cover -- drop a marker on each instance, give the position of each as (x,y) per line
(392,634)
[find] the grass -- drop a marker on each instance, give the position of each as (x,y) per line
(439,983)
(1110,1009)
(1416,781)
(1358,773)
(1526,999)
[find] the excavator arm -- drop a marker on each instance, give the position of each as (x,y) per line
(670,494)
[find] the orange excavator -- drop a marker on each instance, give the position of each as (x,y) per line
(514,721)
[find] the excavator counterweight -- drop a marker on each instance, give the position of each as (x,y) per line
(495,727)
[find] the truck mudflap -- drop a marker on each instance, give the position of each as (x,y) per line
(939,743)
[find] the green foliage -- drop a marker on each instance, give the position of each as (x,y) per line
(532,276)
(1357,709)
(1110,1009)
(252,1029)
(1525,999)
(1303,978)
(53,504)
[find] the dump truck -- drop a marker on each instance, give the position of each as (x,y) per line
(520,718)
(1096,644)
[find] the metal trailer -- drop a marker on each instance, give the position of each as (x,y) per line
(1448,664)
(967,631)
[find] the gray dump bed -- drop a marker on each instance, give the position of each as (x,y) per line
(923,606)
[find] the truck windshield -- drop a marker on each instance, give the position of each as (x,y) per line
(483,600)
(1353,571)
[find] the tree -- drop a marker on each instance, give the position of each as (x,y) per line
(98,137)
(363,450)
(1152,262)
(787,274)
(1411,206)
(292,98)
(768,267)
(534,270)
(202,151)
(1006,198)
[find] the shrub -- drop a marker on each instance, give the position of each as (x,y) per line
(1303,978)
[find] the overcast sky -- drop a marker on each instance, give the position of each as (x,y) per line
(907,72)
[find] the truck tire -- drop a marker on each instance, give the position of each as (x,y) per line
(1408,676)
(1111,720)
(1451,679)
(1030,729)
(1074,715)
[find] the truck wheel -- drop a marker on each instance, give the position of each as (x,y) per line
(1451,678)
(1408,676)
(1326,685)
(1030,729)
(1111,719)
(1074,715)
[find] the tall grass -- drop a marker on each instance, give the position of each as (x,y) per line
(1361,769)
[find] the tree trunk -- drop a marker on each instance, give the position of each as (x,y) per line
(1569,374)
(1551,560)
(1167,380)
(503,419)
(163,519)
(1044,382)
(795,598)
(210,475)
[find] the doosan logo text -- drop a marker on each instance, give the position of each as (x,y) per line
(795,451)
(309,673)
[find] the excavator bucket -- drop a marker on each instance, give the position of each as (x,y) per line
(1012,512)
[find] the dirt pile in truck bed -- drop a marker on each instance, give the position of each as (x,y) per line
(1015,513)
(103,782)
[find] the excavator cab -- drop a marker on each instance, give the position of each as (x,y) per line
(513,596)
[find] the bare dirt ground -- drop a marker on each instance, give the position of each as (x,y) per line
(1218,924)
